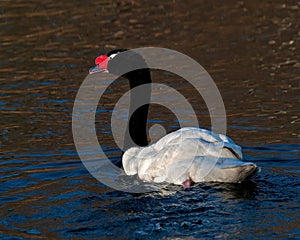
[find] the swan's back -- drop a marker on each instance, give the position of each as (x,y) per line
(188,153)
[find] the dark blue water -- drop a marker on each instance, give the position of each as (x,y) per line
(251,51)
(44,196)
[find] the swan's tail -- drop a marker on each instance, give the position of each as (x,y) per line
(230,170)
(241,173)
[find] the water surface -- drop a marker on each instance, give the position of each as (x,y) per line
(250,48)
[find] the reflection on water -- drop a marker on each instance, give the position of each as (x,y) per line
(251,49)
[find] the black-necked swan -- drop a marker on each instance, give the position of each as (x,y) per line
(188,155)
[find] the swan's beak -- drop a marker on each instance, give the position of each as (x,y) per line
(96,69)
(101,63)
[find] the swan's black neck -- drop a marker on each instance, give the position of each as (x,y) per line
(137,125)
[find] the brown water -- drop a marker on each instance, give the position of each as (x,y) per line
(251,50)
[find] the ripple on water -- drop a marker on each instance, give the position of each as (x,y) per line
(47,48)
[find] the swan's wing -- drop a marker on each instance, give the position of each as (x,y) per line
(215,142)
(186,133)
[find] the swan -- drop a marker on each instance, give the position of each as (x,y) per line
(183,157)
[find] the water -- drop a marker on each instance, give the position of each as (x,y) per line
(250,48)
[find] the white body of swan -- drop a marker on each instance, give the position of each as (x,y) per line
(189,154)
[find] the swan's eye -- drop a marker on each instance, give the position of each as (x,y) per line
(112,56)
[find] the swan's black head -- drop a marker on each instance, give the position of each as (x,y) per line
(119,62)
(102,61)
